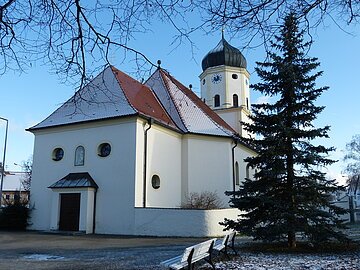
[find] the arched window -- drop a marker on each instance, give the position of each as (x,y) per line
(79,156)
(248,171)
(237,177)
(235,100)
(217,101)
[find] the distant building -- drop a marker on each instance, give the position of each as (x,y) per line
(121,157)
(349,200)
(13,188)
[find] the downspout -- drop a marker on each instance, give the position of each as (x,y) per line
(233,164)
(94,211)
(150,122)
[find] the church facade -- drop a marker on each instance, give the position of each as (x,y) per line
(122,157)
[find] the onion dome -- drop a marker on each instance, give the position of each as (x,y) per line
(224,54)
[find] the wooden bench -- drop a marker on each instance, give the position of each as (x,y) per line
(192,255)
(228,241)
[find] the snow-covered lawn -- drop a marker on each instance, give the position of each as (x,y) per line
(260,261)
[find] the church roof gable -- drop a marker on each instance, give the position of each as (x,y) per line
(157,85)
(191,112)
(111,94)
(114,94)
(142,99)
(100,99)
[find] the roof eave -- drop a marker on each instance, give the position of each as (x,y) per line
(82,122)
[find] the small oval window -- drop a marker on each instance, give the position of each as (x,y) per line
(57,154)
(234,76)
(104,150)
(155,181)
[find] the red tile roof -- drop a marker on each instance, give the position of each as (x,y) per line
(142,99)
(114,94)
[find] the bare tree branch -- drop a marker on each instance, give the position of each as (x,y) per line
(77,38)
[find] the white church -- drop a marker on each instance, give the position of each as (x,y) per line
(121,157)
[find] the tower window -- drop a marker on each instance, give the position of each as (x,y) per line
(234,76)
(203,82)
(79,156)
(235,100)
(247,103)
(217,101)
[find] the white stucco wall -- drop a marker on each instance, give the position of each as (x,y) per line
(184,163)
(208,165)
(113,174)
(181,222)
(164,160)
(234,117)
(241,152)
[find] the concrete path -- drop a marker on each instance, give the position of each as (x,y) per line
(33,250)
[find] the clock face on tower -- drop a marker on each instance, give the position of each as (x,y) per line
(216,78)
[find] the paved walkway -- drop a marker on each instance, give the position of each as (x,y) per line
(32,250)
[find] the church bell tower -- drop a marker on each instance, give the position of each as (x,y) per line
(225,85)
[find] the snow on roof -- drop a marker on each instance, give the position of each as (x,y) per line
(187,109)
(114,94)
(157,85)
(101,98)
(12,181)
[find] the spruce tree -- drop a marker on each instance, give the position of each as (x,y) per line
(289,193)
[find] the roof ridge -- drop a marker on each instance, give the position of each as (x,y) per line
(171,96)
(162,106)
(158,111)
(228,131)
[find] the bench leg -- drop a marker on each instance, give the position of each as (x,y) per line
(189,260)
(233,245)
(210,261)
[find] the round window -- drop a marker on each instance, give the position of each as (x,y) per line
(155,181)
(57,154)
(234,76)
(104,149)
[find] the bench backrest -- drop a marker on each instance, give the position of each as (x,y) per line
(203,247)
(225,239)
(198,249)
(187,253)
(231,236)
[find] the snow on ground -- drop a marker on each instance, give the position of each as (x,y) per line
(260,261)
(43,257)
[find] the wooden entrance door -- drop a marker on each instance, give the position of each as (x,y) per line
(69,212)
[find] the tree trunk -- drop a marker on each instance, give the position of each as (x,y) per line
(290,189)
(291,240)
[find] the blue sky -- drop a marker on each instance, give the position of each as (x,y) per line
(29,97)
